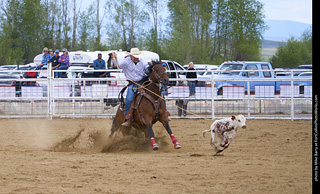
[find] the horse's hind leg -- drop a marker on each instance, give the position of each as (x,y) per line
(124,130)
(114,128)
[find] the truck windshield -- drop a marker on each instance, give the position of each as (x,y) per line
(231,67)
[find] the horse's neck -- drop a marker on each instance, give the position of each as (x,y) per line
(153,90)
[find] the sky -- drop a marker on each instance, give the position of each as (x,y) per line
(295,10)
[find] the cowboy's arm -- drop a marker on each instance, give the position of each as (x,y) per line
(123,64)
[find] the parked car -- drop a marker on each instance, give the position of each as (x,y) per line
(305,74)
(13,80)
(246,76)
(206,75)
(30,66)
(7,67)
(173,65)
(307,66)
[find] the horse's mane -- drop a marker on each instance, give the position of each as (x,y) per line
(156,62)
(145,78)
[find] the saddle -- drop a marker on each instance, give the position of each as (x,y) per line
(140,94)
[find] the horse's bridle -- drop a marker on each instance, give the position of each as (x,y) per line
(159,84)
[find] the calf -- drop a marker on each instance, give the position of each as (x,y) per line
(225,129)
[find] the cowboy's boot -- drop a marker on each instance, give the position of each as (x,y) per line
(128,121)
(175,142)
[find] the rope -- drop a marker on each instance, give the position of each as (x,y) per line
(141,86)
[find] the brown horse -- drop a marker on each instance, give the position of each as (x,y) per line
(148,107)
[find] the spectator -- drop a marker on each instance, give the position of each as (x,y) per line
(182,104)
(50,54)
(100,64)
(64,63)
(192,75)
(45,58)
(165,91)
(111,63)
(44,72)
(55,60)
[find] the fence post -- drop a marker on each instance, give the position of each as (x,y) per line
(49,90)
(292,95)
(248,96)
(213,83)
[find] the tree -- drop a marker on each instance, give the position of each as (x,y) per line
(31,31)
(86,26)
(10,51)
(239,25)
(128,18)
(294,52)
(190,30)
(75,18)
(247,28)
(154,7)
(65,23)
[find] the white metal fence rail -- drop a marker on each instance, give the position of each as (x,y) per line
(98,97)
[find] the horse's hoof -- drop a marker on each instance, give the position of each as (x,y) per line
(155,147)
(177,146)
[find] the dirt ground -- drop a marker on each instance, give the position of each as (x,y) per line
(75,156)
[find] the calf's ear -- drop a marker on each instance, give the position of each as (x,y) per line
(233,117)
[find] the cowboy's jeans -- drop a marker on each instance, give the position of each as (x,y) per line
(131,91)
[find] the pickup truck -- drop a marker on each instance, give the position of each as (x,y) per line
(262,76)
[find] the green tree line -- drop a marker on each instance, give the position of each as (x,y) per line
(203,31)
(294,52)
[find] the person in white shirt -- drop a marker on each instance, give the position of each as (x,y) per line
(44,72)
(135,69)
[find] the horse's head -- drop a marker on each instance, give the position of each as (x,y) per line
(158,73)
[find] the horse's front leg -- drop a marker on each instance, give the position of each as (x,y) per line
(173,138)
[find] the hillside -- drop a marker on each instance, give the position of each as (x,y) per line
(282,30)
(269,48)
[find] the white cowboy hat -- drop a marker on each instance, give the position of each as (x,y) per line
(135,52)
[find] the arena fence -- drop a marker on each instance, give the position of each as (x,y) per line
(80,97)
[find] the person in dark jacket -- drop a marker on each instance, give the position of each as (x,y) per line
(55,60)
(191,75)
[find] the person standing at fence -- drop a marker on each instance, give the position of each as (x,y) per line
(100,64)
(182,104)
(191,75)
(64,63)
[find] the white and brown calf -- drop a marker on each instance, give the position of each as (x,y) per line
(225,130)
